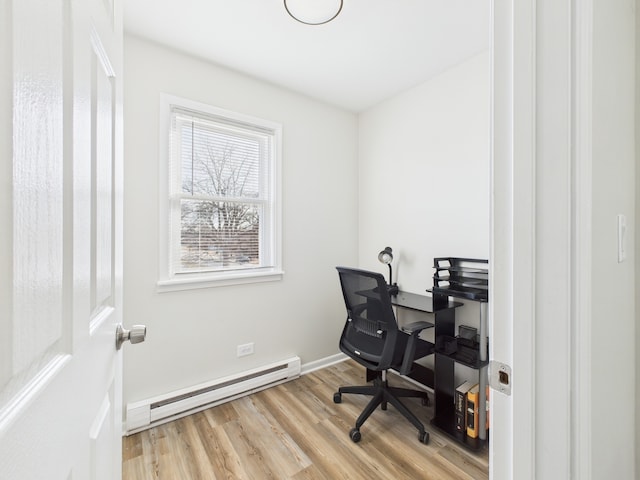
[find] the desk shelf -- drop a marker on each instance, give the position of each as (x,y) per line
(461,278)
(441,377)
(446,424)
(456,357)
(422,303)
(464,278)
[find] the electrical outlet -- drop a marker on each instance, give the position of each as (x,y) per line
(246,349)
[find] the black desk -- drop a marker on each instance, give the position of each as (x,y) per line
(444,316)
(441,378)
(420,303)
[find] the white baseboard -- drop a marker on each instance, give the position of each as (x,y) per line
(160,409)
(322,363)
(193,404)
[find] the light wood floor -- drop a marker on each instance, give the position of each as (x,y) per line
(295,431)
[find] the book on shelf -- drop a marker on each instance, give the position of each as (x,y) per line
(461,405)
(487,406)
(472,411)
(473,400)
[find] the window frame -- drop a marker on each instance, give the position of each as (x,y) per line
(169,281)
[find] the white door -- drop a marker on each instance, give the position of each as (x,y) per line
(60,239)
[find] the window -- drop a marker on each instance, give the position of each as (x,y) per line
(221,196)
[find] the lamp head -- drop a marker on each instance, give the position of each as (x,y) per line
(385,256)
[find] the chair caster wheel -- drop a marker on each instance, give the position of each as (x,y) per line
(426,402)
(383,405)
(355,436)
(337,397)
(424,437)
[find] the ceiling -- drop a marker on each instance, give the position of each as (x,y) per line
(373,50)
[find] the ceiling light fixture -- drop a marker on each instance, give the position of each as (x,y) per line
(313,12)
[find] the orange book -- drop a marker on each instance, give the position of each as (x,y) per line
(472,411)
(487,407)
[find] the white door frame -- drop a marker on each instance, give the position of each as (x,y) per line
(540,252)
(582,196)
(511,449)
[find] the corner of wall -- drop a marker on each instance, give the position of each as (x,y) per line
(637,236)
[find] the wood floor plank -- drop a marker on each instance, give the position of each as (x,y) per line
(221,414)
(473,466)
(131,449)
(320,442)
(281,453)
(151,450)
(185,453)
(312,472)
(294,431)
(137,468)
(304,431)
(223,458)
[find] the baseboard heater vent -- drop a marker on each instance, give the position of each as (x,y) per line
(155,411)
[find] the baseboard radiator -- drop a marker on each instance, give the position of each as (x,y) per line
(155,411)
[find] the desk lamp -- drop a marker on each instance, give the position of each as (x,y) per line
(385,256)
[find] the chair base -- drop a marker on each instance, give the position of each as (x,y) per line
(382,394)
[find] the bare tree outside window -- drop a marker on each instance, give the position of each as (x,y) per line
(220,222)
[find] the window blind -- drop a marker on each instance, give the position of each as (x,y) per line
(221,194)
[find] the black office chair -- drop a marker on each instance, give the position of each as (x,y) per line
(372,338)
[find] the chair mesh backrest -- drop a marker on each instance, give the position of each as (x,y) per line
(371,328)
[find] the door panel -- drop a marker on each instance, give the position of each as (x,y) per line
(37,187)
(100,438)
(60,239)
(102,121)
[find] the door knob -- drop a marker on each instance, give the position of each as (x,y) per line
(137,334)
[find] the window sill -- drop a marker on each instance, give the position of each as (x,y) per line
(193,281)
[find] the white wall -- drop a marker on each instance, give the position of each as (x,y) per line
(192,335)
(424,177)
(637,237)
(424,174)
(613,325)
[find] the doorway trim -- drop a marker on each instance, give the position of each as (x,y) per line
(512,244)
(540,253)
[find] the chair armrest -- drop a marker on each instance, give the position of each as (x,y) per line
(413,329)
(416,327)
